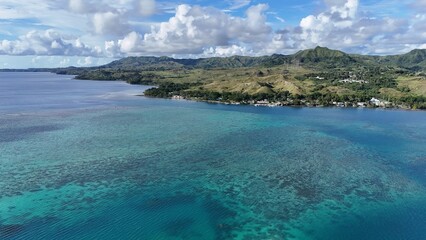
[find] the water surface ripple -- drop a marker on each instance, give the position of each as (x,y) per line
(89,160)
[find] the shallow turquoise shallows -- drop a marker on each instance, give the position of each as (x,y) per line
(89,160)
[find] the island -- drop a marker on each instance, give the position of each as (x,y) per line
(312,77)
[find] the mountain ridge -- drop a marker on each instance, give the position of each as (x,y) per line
(318,57)
(310,57)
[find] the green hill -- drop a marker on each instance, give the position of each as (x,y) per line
(166,63)
(416,59)
(318,54)
(132,63)
(324,57)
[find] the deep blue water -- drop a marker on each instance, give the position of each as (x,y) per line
(89,160)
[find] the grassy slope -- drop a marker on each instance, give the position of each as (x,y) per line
(247,80)
(416,84)
(242,80)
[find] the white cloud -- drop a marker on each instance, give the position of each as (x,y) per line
(226,51)
(147,7)
(208,31)
(236,4)
(47,42)
(341,27)
(194,28)
(256,20)
(119,28)
(48,61)
(48,14)
(112,18)
(345,8)
(108,23)
(87,61)
(91,6)
(130,42)
(282,20)
(79,6)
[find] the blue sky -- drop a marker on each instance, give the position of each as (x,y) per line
(58,33)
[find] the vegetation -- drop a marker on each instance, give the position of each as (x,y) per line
(317,76)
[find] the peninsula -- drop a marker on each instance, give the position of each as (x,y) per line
(313,77)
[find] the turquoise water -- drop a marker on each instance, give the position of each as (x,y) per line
(88,160)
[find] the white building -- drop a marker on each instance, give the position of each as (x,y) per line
(375,101)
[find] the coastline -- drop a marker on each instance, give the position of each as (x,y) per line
(347,105)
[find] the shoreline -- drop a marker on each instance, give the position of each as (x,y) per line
(274,105)
(280,99)
(302,103)
(381,104)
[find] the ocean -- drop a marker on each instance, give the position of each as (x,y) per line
(91,160)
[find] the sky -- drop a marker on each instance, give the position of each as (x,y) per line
(60,33)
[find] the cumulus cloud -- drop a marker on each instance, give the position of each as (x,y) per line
(317,29)
(124,28)
(204,31)
(109,23)
(47,42)
(341,26)
(194,28)
(130,42)
(103,18)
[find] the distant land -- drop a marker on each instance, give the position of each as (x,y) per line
(313,77)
